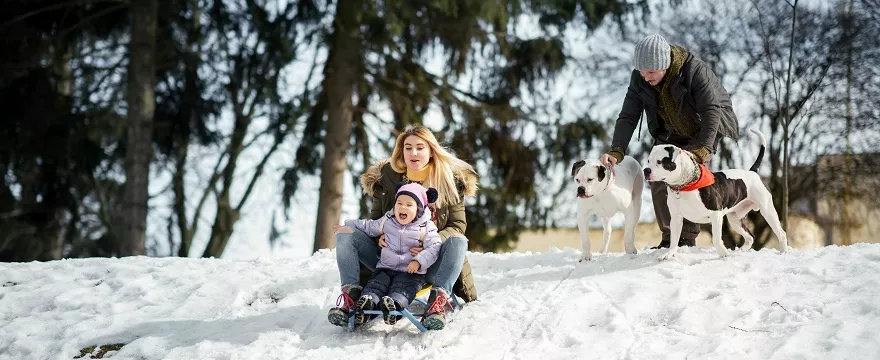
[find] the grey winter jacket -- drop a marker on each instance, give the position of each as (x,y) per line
(696,91)
(401,238)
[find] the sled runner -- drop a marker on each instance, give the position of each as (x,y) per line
(419,305)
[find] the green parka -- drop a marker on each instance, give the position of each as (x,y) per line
(698,95)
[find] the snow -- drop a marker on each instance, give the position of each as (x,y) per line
(807,304)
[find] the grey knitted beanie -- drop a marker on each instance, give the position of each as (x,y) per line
(652,53)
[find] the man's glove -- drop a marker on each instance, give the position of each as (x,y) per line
(702,154)
(616,153)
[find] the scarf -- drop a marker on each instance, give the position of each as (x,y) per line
(676,121)
(418,176)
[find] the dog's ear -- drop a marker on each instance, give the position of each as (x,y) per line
(577,167)
(601,170)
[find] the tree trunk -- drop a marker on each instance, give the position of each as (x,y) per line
(52,234)
(362,143)
(141,104)
(183,227)
(786,126)
(340,79)
(191,98)
(223,226)
(227,215)
(847,188)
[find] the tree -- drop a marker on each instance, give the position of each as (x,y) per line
(253,46)
(340,81)
(182,120)
(50,201)
(64,84)
(823,82)
(486,69)
(141,101)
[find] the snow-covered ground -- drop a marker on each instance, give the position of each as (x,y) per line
(808,304)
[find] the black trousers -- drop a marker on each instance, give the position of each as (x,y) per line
(400,286)
(689,230)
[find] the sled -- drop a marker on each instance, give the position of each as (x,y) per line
(412,316)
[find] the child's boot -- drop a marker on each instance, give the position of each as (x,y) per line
(364,303)
(388,305)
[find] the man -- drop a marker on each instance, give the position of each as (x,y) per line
(685,105)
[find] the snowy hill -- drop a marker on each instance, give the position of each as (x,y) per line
(809,304)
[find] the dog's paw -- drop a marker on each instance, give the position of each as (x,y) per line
(669,255)
(632,251)
(722,252)
(586,258)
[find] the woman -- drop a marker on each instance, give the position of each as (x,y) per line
(417,157)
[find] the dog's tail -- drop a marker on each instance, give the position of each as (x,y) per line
(760,152)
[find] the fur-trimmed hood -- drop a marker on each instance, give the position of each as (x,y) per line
(466,180)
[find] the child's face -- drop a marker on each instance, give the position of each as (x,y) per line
(405,209)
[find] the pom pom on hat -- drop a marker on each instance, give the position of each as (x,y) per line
(432,195)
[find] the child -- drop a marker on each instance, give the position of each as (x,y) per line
(399,274)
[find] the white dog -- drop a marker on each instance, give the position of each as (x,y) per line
(604,191)
(734,193)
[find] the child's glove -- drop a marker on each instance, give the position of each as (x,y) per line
(413,266)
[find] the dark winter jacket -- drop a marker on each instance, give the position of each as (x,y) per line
(697,93)
(380,182)
(420,232)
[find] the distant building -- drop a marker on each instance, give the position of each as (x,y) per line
(846,200)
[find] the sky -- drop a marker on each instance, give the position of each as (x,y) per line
(805,304)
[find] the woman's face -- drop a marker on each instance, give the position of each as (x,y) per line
(416,153)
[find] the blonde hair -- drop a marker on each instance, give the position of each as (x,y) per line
(445,166)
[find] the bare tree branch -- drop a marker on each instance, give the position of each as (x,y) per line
(259,172)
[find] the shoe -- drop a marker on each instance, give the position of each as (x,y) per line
(435,316)
(344,303)
(681,242)
(364,303)
(388,305)
(687,242)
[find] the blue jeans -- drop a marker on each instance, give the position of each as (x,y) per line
(359,248)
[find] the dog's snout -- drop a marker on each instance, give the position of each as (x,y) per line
(647,172)
(582,191)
